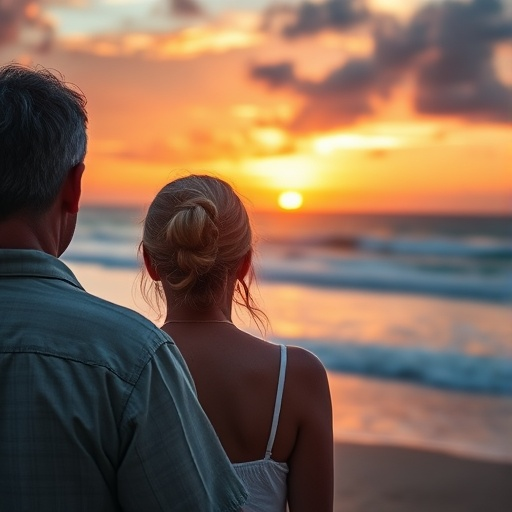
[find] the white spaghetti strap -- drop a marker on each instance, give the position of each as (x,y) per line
(277,407)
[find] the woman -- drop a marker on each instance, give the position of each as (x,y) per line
(269,404)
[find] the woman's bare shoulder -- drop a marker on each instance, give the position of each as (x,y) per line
(309,394)
(307,382)
(304,364)
(310,483)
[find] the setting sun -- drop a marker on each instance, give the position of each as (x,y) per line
(290,200)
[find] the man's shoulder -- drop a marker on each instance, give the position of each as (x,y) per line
(113,333)
(110,316)
(46,311)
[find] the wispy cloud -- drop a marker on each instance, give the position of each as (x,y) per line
(228,32)
(202,145)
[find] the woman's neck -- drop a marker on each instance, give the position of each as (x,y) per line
(183,314)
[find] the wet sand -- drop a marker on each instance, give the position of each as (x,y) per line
(374,478)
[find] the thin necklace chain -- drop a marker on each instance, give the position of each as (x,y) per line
(197,322)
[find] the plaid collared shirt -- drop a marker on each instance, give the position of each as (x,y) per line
(97,408)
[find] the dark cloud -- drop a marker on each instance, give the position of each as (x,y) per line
(460,78)
(186,8)
(311,18)
(325,106)
(275,75)
(447,47)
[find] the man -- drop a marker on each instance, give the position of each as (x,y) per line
(97,409)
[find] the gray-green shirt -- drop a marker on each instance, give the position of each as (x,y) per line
(97,408)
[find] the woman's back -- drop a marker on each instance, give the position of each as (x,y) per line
(236,377)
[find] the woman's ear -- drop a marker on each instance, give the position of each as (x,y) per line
(149,265)
(245,265)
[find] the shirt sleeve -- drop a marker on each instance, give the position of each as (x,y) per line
(171,457)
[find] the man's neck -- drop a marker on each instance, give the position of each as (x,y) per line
(28,232)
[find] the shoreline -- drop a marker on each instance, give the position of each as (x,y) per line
(401,479)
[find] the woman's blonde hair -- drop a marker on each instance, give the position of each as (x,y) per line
(196,235)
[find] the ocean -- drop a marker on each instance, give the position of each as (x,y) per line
(410,314)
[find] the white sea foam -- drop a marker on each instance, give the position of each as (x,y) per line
(441,369)
(461,264)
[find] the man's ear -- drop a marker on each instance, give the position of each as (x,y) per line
(245,265)
(149,265)
(72,188)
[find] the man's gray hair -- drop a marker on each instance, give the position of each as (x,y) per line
(43,136)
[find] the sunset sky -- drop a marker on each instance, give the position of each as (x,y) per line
(383,105)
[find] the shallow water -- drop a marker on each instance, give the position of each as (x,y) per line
(386,412)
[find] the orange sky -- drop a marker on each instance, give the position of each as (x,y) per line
(359,106)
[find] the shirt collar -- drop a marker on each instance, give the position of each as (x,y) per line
(33,263)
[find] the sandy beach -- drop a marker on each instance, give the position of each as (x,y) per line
(376,478)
